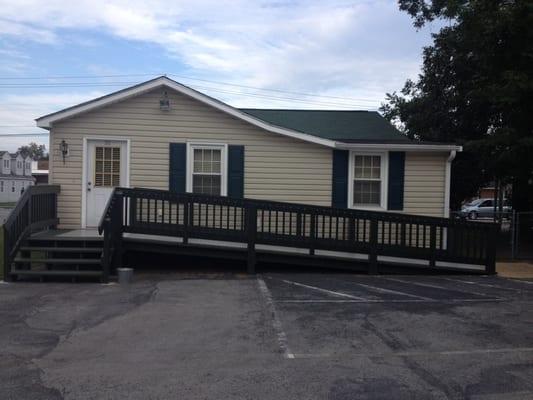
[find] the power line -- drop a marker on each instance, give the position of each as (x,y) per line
(71,84)
(23,134)
(181,77)
(245,94)
(286,99)
(273,90)
(73,77)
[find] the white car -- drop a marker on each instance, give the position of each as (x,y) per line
(484,208)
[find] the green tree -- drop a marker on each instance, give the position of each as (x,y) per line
(34,150)
(475,89)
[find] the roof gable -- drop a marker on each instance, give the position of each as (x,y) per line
(46,121)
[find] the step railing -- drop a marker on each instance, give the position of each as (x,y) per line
(375,234)
(36,210)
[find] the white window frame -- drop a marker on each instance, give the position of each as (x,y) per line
(223,147)
(384,179)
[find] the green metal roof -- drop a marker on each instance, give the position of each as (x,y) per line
(344,126)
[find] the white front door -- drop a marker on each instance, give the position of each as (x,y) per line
(107,166)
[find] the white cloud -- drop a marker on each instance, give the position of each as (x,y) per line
(18,112)
(349,49)
(311,45)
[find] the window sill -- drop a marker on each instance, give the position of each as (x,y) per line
(368,208)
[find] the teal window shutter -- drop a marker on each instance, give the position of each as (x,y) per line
(236,171)
(177,174)
(339,190)
(396,180)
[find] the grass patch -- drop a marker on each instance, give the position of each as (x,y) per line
(8,205)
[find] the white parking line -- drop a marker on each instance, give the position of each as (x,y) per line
(480,284)
(504,350)
(347,301)
(331,292)
(521,281)
(428,285)
(282,337)
(495,299)
(383,290)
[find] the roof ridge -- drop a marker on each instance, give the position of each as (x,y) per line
(303,109)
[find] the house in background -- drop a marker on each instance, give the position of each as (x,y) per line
(39,171)
(164,135)
(15,176)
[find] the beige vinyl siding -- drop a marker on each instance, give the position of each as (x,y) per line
(425,177)
(276,167)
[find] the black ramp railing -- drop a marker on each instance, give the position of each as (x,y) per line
(375,234)
(35,210)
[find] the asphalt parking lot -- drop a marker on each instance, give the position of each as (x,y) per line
(274,336)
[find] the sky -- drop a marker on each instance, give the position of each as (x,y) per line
(333,54)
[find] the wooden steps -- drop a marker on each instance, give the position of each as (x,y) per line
(63,249)
(66,273)
(55,261)
(56,256)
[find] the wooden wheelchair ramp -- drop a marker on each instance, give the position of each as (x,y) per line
(276,232)
(157,221)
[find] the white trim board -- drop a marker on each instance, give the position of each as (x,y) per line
(47,121)
(84,170)
(398,147)
(384,170)
(223,147)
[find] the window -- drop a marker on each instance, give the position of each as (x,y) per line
(487,203)
(6,163)
(367,184)
(28,166)
(19,164)
(106,166)
(207,169)
(2,186)
(13,187)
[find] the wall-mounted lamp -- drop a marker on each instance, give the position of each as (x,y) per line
(63,148)
(164,102)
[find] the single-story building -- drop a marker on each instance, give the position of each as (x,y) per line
(164,135)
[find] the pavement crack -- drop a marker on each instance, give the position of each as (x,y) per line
(449,391)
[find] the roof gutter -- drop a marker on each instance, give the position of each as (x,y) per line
(447,183)
(399,147)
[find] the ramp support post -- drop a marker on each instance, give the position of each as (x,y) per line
(251,233)
(373,254)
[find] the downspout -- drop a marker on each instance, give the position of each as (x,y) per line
(447,180)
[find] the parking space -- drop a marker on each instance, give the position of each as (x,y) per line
(367,289)
(328,315)
(274,336)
